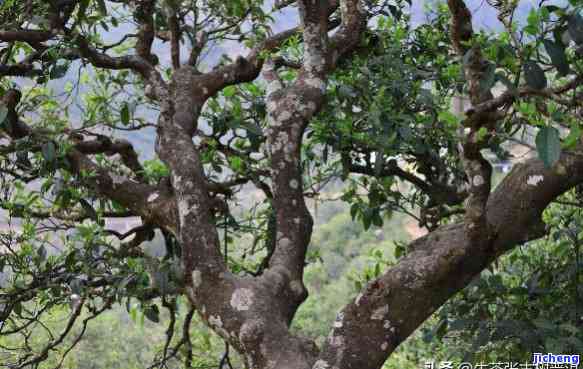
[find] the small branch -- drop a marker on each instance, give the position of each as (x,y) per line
(174,38)
(54,343)
(122,147)
(28,36)
(145,16)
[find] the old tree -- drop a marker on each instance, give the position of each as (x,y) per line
(351,94)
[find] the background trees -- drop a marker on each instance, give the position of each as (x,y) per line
(351,101)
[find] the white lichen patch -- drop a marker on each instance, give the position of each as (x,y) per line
(534,180)
(242,299)
(153,197)
(294,184)
(149,90)
(215,321)
(380,313)
(296,287)
(182,210)
(271,107)
(336,340)
(284,242)
(196,278)
(384,346)
(117,179)
(249,331)
(314,62)
(284,115)
(190,293)
(316,83)
(387,324)
(321,364)
(358,298)
(185,208)
(272,87)
(338,323)
(478,180)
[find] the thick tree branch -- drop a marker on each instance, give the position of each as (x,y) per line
(289,110)
(20,70)
(150,202)
(440,193)
(102,60)
(238,308)
(438,265)
(478,169)
(122,147)
(508,97)
(28,36)
(174,37)
(246,69)
(144,14)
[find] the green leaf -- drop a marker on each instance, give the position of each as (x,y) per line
(544,324)
(133,314)
(379,163)
(76,286)
(557,54)
(125,114)
(253,89)
(533,22)
(17,308)
(3,114)
(229,91)
(506,82)
(441,329)
(367,219)
(252,128)
(551,8)
(481,134)
(488,78)
(42,253)
(89,210)
(575,28)
(548,145)
(354,209)
(534,75)
(573,137)
(449,118)
(102,7)
(377,220)
(58,71)
(49,151)
(236,163)
(161,278)
(82,12)
(152,313)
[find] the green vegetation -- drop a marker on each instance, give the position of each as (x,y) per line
(170,209)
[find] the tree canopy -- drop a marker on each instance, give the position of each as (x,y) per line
(250,124)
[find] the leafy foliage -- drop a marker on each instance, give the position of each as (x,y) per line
(386,143)
(531,301)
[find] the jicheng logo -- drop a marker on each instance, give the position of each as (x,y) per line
(538,358)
